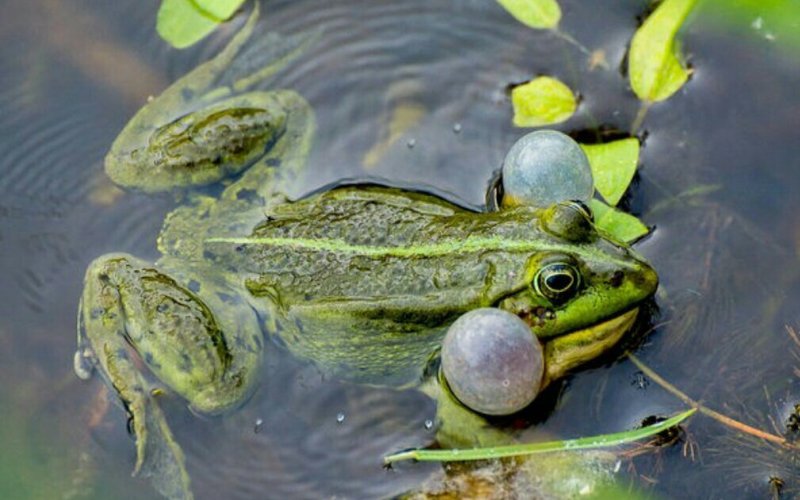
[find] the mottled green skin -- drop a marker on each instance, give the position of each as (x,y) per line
(363,281)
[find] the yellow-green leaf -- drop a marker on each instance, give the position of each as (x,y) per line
(185,22)
(622,226)
(613,165)
(542,101)
(653,65)
(538,14)
(219,9)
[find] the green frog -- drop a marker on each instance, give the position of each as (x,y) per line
(362,280)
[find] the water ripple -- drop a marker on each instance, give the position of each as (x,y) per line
(315,439)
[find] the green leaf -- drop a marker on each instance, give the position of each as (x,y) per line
(654,68)
(542,101)
(516,450)
(185,22)
(537,14)
(222,10)
(622,226)
(613,165)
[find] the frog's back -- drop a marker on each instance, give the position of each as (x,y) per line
(381,244)
(366,279)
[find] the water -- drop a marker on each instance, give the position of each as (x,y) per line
(72,73)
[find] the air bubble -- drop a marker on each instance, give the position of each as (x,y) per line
(82,364)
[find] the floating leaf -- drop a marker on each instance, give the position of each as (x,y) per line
(622,226)
(655,70)
(219,9)
(542,101)
(515,450)
(184,22)
(613,165)
(537,14)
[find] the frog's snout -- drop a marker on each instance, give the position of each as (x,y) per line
(643,278)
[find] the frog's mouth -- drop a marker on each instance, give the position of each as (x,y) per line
(570,350)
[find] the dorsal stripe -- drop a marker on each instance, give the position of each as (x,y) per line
(467,245)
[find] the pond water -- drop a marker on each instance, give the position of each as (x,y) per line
(414,93)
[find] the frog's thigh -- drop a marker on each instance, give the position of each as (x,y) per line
(127,302)
(222,331)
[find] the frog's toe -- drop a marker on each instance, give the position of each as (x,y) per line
(158,455)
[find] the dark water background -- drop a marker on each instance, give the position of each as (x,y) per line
(72,73)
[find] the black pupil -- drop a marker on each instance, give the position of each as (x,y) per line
(559,281)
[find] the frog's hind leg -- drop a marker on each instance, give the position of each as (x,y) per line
(102,340)
(208,125)
(132,315)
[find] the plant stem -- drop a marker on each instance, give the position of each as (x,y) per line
(568,38)
(637,122)
(719,417)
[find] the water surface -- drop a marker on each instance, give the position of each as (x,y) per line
(72,73)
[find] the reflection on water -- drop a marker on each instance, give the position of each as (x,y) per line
(413,92)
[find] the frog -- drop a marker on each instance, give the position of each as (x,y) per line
(361,280)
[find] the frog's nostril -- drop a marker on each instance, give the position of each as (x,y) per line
(644,278)
(616,279)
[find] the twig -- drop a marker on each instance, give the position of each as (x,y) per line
(719,417)
(793,334)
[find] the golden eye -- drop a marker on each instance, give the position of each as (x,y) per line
(558,281)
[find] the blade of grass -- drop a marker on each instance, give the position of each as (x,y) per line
(585,443)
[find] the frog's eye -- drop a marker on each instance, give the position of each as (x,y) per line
(558,281)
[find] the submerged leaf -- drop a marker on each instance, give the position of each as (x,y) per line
(620,225)
(515,450)
(542,101)
(613,165)
(655,70)
(538,14)
(184,22)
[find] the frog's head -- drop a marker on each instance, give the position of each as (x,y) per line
(582,290)
(198,148)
